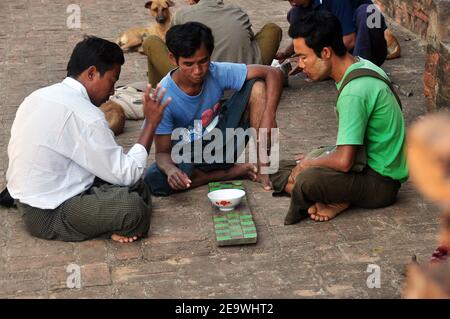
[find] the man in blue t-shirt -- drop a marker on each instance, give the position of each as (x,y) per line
(196,111)
(362,27)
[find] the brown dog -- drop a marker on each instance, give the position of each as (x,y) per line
(134,37)
(394,50)
(115,116)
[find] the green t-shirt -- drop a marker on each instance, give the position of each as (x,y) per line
(369,114)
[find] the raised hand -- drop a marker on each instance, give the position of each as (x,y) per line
(153,109)
(281,56)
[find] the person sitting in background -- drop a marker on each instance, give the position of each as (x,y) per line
(358,18)
(234,39)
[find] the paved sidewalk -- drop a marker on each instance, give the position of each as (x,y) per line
(180,258)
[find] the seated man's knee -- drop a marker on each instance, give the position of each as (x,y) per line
(274,29)
(137,212)
(365,11)
(259,88)
(152,42)
(153,175)
(311,180)
(258,94)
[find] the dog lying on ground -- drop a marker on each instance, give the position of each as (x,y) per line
(394,50)
(125,104)
(115,116)
(133,38)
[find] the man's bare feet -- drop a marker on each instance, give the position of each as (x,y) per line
(323,213)
(246,170)
(251,171)
(264,179)
(314,209)
(123,239)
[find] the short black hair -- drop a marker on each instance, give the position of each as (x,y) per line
(184,39)
(93,51)
(320,29)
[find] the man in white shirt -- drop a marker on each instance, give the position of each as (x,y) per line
(71,180)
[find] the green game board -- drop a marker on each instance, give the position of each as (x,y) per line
(236,227)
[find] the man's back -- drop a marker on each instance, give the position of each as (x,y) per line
(231,29)
(39,152)
(59,143)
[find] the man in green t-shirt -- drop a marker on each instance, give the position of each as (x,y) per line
(370,118)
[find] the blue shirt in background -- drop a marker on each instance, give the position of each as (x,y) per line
(195,113)
(344,10)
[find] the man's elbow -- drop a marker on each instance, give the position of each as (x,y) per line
(278,74)
(349,42)
(346,165)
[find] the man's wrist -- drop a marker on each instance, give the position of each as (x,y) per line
(150,125)
(306,163)
(167,167)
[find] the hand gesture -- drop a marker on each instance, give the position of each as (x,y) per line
(153,109)
(281,56)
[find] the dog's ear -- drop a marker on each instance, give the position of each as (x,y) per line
(170,3)
(148,4)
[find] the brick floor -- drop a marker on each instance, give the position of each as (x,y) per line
(180,258)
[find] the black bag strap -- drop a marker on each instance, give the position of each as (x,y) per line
(359,73)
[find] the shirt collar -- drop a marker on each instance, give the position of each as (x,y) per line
(74,84)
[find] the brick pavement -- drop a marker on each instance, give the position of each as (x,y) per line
(180,258)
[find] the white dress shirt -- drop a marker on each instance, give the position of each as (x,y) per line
(60,142)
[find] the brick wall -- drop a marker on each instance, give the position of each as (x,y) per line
(431,20)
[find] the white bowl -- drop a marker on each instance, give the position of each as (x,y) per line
(226,199)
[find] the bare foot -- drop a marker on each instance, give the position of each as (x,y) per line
(247,170)
(315,208)
(323,213)
(312,210)
(264,179)
(124,240)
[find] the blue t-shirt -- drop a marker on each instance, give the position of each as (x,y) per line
(195,113)
(344,10)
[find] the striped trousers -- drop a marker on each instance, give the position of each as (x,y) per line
(99,212)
